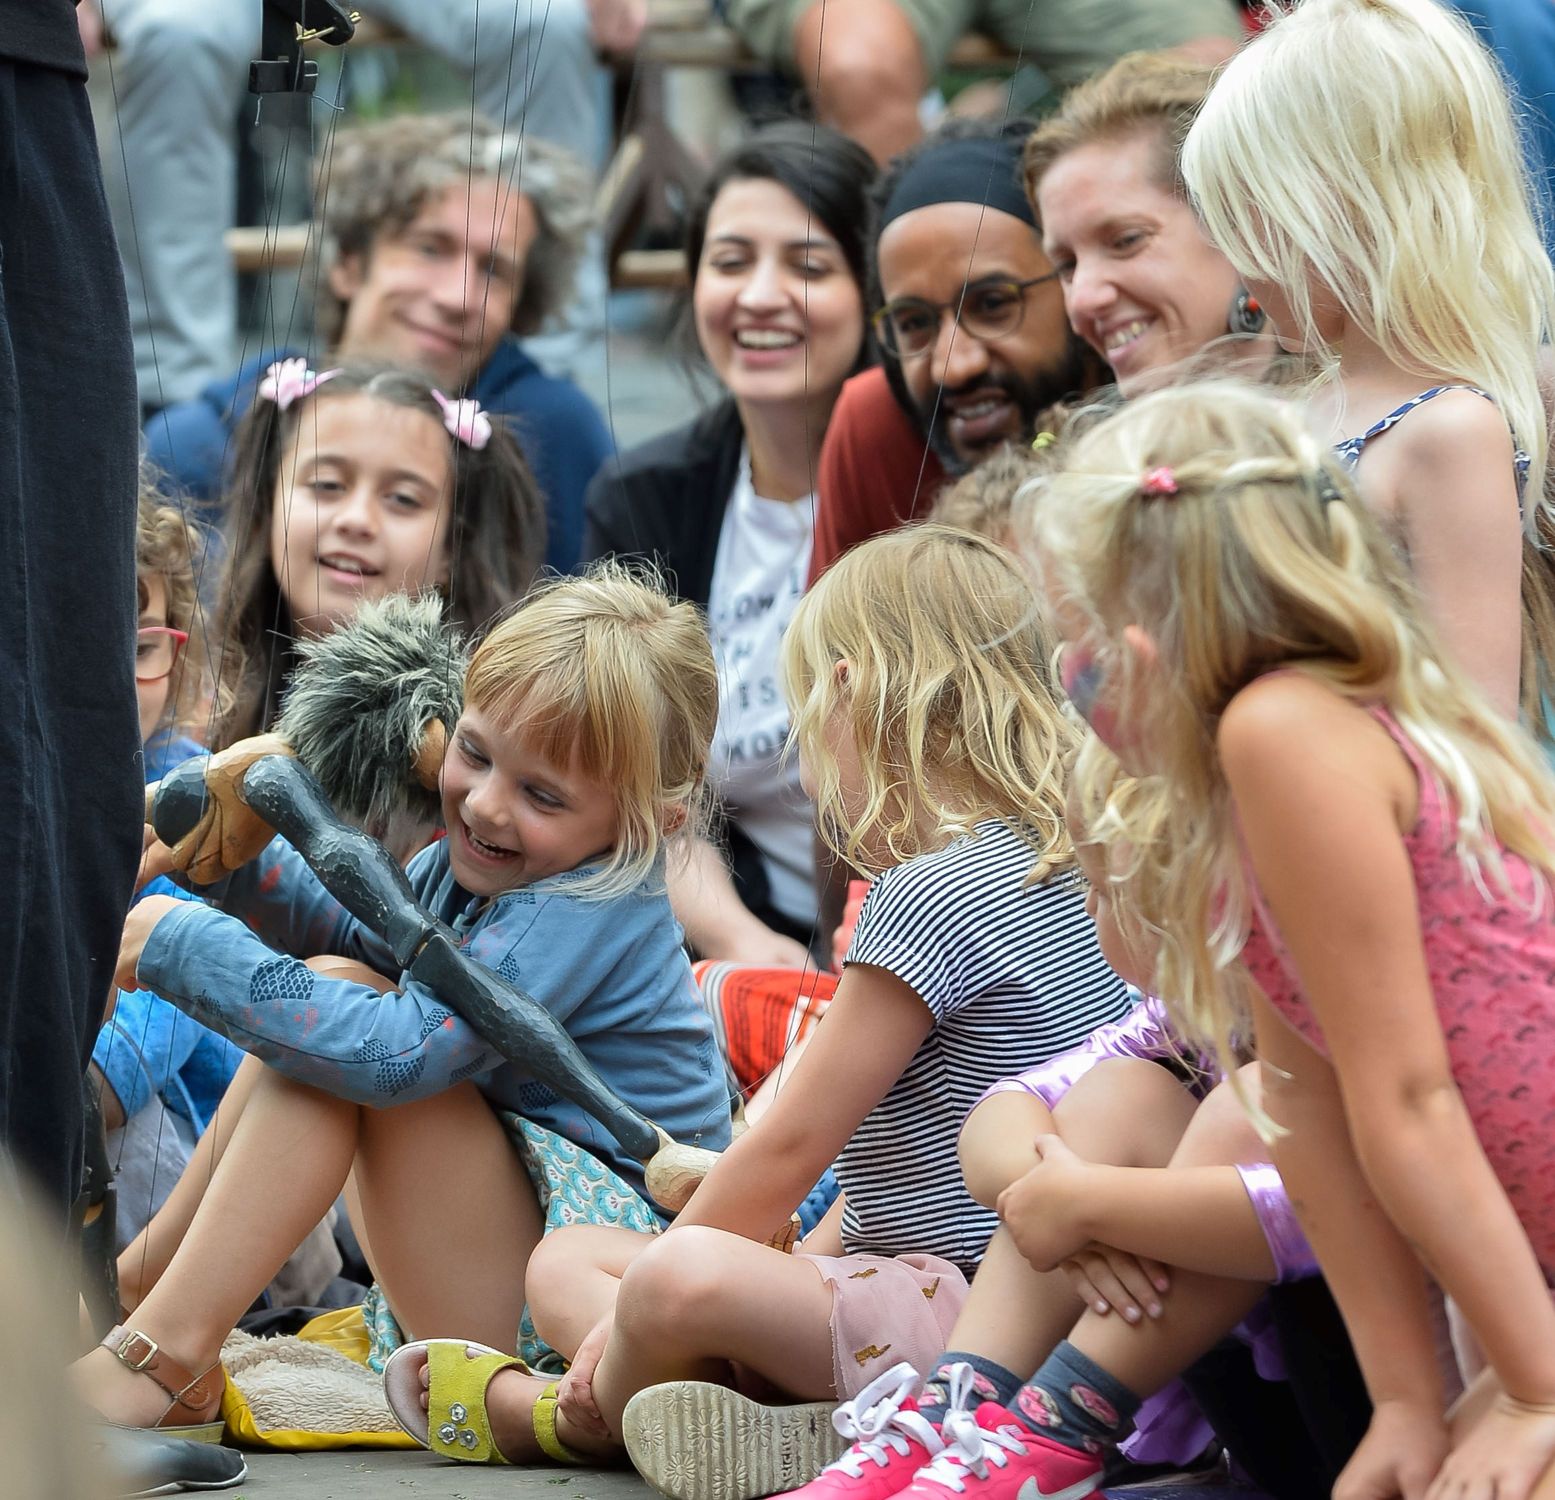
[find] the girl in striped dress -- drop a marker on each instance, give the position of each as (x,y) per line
(930,739)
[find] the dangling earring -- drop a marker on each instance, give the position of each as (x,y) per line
(1245,316)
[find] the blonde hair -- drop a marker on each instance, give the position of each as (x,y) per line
(947,696)
(984,499)
(605,672)
(1263,558)
(169,548)
(1371,145)
(1145,93)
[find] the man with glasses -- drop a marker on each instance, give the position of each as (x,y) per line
(971,327)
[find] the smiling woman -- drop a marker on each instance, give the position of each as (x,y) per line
(725,506)
(1142,284)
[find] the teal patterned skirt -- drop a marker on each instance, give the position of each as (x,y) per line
(573,1187)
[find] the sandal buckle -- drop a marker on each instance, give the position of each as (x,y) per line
(152,1348)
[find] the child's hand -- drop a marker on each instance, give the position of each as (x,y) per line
(575,1393)
(1502,1458)
(1041,1209)
(155,859)
(1399,1457)
(143,917)
(1107,1280)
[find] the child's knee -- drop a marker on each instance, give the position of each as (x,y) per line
(677,1286)
(1126,1112)
(1221,1132)
(995,1145)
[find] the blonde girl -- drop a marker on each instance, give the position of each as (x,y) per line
(1336,803)
(580,750)
(1360,165)
(929,738)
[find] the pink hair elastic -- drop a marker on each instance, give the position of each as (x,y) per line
(465,420)
(289,380)
(1159,482)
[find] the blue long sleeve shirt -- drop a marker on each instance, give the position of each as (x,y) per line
(148,1047)
(613,971)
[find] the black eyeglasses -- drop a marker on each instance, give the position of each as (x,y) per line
(988,310)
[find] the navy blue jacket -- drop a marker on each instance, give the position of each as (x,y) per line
(557,426)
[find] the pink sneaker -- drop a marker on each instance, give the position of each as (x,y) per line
(891,1441)
(990,1456)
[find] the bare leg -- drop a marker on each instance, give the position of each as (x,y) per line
(863,65)
(146,1257)
(698,1299)
(1122,1111)
(451,1214)
(573,1278)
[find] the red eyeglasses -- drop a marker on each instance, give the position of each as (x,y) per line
(156,651)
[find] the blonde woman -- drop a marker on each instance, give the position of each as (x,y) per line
(1338,796)
(931,742)
(1360,165)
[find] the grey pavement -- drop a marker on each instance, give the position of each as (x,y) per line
(420,1476)
(389,1475)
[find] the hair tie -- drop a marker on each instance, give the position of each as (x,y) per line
(289,380)
(1159,482)
(465,420)
(1043,440)
(1328,492)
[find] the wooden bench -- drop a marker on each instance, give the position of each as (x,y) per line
(651,169)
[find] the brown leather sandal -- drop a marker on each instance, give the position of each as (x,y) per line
(194,1397)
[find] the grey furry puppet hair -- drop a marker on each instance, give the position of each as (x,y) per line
(358,706)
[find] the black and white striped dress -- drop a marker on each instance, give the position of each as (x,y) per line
(1012,974)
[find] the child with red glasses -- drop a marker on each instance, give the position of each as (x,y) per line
(159,1074)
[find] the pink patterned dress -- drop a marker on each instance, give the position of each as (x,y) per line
(1492,969)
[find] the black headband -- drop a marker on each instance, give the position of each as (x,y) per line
(985,170)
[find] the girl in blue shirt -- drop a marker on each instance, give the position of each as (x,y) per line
(581,750)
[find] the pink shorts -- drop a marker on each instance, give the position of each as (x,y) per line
(886,1309)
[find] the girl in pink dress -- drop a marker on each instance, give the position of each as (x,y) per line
(1341,816)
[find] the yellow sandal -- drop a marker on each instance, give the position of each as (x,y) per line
(454,1425)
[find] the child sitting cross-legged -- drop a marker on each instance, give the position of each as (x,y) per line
(928,734)
(579,753)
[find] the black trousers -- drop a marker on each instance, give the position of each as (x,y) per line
(69,727)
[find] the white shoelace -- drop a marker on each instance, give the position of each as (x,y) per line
(966,1446)
(877,1426)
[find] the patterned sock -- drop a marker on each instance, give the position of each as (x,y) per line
(990,1382)
(1073,1401)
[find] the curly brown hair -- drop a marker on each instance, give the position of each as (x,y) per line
(380,176)
(171,548)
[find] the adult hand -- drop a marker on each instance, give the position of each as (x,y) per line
(1399,1456)
(575,1391)
(1504,1455)
(617,25)
(1042,1208)
(1107,1280)
(138,926)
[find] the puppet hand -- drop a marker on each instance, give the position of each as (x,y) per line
(1502,1458)
(143,917)
(1041,1209)
(230,833)
(1107,1280)
(1402,1450)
